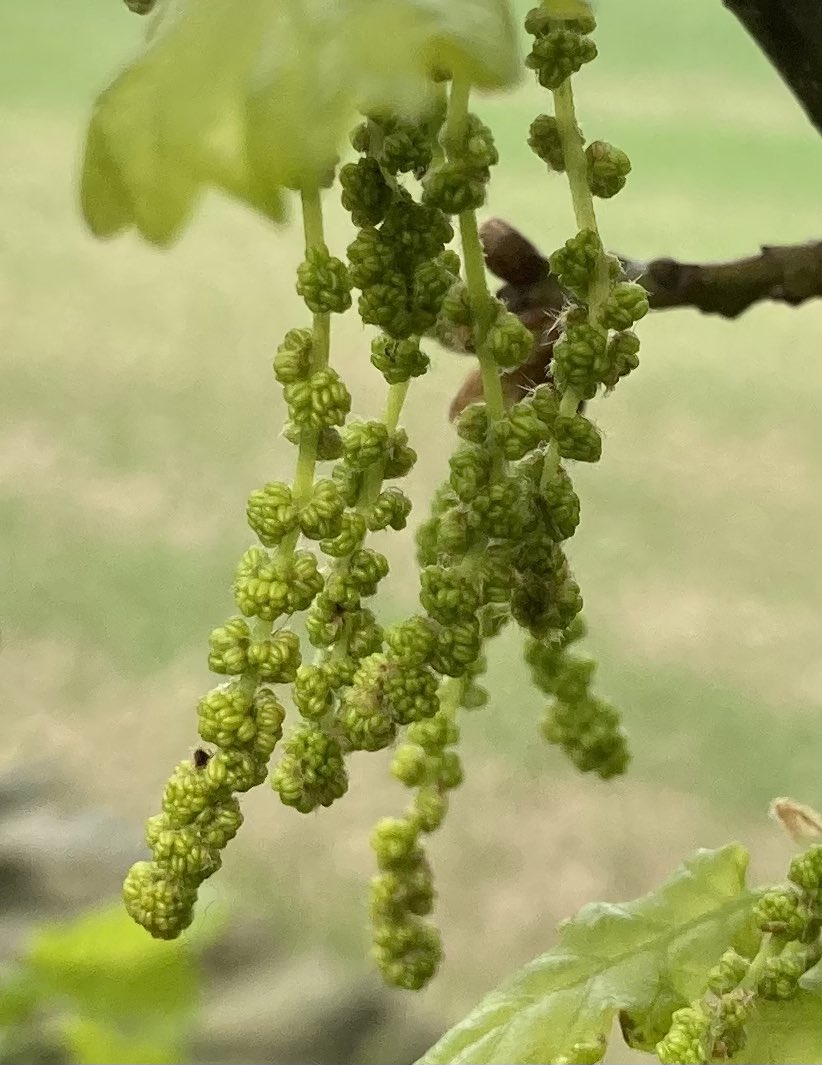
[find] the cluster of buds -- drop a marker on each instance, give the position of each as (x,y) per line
(583,725)
(491,553)
(789,921)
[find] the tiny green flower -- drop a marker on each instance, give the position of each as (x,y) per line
(320,402)
(395,842)
(365,444)
(228,647)
(454,186)
(389,510)
(398,360)
(365,192)
(293,359)
(311,772)
(626,303)
(349,538)
(580,359)
(324,283)
(429,809)
(559,53)
(313,695)
(509,341)
(412,641)
(322,516)
(271,513)
(162,904)
(578,438)
(545,141)
(575,263)
(608,169)
(410,765)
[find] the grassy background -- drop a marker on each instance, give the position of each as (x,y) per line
(138,410)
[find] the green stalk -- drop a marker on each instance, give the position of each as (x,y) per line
(302,486)
(576,168)
(768,948)
(482,303)
(374,475)
(307,448)
(394,404)
(371,485)
(321,346)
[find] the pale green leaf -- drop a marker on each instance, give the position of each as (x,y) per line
(250,96)
(609,958)
(93,1043)
(173,123)
(397,43)
(108,967)
(785,1033)
(644,1029)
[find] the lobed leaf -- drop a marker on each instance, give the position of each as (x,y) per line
(788,1032)
(93,1043)
(109,968)
(250,96)
(634,957)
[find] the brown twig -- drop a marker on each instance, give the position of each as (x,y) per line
(788,274)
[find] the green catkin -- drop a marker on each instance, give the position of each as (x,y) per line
(408,949)
(531,510)
(399,264)
(492,551)
(587,356)
(244,718)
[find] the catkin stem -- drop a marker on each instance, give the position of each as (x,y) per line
(394,404)
(320,350)
(374,475)
(768,947)
(573,153)
(576,168)
(482,303)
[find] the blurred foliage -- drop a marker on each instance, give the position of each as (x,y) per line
(98,989)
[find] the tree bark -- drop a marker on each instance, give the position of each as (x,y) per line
(789,32)
(790,273)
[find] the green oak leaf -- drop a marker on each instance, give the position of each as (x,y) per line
(251,96)
(788,1032)
(610,957)
(92,1043)
(643,1030)
(174,123)
(397,43)
(109,968)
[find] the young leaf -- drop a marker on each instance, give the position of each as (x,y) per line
(173,123)
(255,96)
(93,1043)
(610,958)
(788,1032)
(109,968)
(397,43)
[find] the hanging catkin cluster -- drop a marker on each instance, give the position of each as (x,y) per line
(306,641)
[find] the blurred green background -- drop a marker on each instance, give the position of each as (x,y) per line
(138,410)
